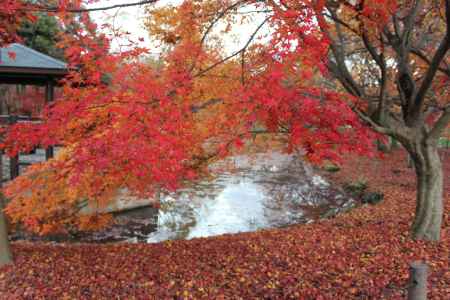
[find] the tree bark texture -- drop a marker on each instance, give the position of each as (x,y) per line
(429,199)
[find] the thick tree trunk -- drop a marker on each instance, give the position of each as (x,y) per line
(5,251)
(429,201)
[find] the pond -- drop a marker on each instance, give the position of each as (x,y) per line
(245,193)
(266,191)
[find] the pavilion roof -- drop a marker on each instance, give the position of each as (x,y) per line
(28,66)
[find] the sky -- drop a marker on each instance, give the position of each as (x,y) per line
(131,19)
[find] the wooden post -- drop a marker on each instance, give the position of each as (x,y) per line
(5,250)
(49,153)
(49,97)
(13,161)
(13,167)
(1,168)
(156,204)
(417,288)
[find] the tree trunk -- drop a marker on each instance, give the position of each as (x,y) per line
(429,201)
(5,251)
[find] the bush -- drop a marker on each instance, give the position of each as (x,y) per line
(331,168)
(356,189)
(372,198)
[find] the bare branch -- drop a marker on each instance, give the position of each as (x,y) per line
(409,24)
(340,69)
(337,20)
(217,19)
(83,10)
(440,125)
(378,128)
(212,24)
(376,57)
(235,53)
(434,66)
(196,108)
(422,56)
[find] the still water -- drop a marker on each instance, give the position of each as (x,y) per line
(265,191)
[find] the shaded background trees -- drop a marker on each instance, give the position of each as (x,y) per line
(42,35)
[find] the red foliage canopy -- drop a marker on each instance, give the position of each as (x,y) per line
(124,123)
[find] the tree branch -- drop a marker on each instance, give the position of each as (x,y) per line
(381,62)
(217,19)
(434,66)
(409,25)
(341,70)
(235,53)
(440,125)
(196,108)
(372,124)
(211,25)
(422,56)
(82,10)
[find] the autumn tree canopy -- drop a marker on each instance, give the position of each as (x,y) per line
(125,123)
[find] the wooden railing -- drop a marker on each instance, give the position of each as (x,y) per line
(14,162)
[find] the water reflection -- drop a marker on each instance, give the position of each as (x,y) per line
(269,190)
(246,194)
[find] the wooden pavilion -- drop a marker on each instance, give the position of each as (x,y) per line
(21,65)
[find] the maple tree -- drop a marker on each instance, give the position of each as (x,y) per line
(376,51)
(408,94)
(126,124)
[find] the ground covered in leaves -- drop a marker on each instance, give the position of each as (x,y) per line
(363,254)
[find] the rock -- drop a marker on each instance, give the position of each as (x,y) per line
(122,202)
(372,198)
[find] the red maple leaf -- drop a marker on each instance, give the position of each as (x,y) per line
(12,55)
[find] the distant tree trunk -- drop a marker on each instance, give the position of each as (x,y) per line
(429,199)
(5,251)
